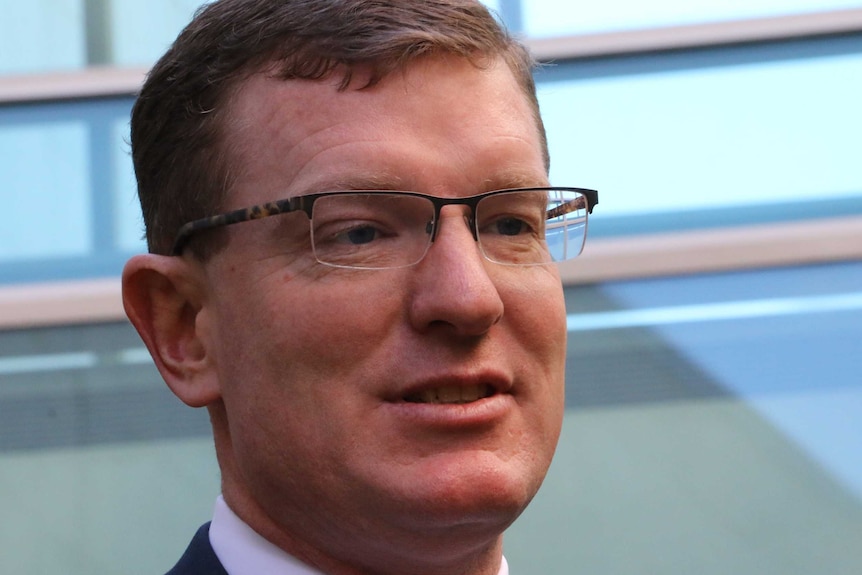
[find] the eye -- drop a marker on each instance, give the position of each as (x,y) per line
(510,226)
(512,216)
(359,235)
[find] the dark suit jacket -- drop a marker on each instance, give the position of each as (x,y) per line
(199,558)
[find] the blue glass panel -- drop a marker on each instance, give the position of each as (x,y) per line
(788,341)
(775,137)
(713,426)
(142,31)
(66,176)
(44,186)
(41,35)
(560,17)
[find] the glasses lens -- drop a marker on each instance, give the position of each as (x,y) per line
(531,227)
(566,228)
(371,230)
(511,227)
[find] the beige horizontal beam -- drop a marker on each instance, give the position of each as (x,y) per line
(696,35)
(630,257)
(717,250)
(91,82)
(60,303)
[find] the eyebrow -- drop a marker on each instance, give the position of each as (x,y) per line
(503,180)
(382,181)
(508,179)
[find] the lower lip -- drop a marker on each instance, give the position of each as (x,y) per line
(477,413)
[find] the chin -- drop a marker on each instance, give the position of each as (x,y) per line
(492,495)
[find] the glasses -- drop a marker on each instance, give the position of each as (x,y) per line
(382,229)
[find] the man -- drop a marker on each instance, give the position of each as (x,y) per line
(383,370)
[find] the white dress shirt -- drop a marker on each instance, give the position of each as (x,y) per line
(243,552)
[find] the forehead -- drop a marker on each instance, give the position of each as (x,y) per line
(440,123)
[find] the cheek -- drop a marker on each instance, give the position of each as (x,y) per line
(536,313)
(535,306)
(325,318)
(337,329)
(312,348)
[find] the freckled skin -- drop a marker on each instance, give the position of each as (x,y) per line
(316,454)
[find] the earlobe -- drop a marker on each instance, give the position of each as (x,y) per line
(164,302)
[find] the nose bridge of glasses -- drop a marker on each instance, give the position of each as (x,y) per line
(465,207)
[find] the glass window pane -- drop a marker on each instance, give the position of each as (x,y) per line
(41,36)
(66,173)
(713,426)
(44,179)
(142,31)
(560,17)
(711,138)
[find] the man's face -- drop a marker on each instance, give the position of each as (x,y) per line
(318,366)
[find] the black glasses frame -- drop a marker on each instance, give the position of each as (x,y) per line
(305,203)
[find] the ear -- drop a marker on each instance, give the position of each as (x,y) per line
(163,297)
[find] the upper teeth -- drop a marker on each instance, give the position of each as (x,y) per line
(451,394)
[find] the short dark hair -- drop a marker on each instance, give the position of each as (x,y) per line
(182,161)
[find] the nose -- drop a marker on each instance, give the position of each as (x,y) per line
(453,290)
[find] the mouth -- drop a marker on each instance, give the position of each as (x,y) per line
(451,394)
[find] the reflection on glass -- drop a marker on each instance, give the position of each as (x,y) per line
(705,442)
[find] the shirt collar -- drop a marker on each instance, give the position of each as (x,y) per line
(243,552)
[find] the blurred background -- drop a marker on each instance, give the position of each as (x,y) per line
(714,381)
